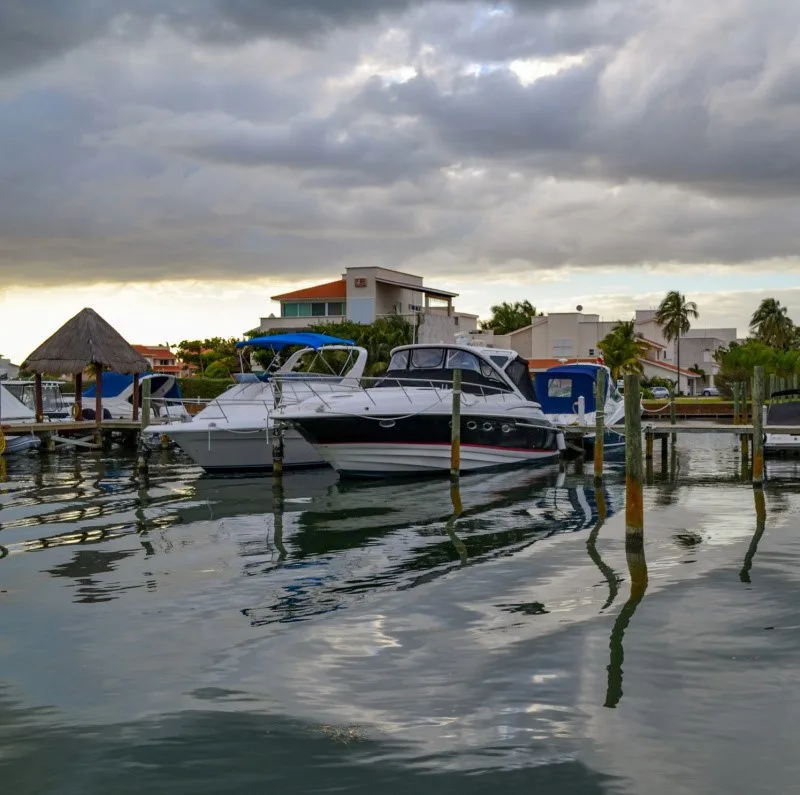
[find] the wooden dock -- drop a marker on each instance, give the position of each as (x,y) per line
(86,434)
(660,428)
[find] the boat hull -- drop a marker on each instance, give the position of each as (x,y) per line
(220,451)
(782,444)
(21,444)
(384,447)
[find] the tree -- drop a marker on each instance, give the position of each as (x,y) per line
(622,348)
(217,370)
(674,315)
(510,317)
(202,353)
(771,325)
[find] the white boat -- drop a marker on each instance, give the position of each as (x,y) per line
(567,396)
(400,424)
(783,409)
(165,397)
(13,411)
(54,404)
(234,433)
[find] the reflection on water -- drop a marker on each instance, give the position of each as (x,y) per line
(190,634)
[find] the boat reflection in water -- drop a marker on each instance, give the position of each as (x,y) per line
(401,535)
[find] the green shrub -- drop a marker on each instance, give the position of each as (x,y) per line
(204,388)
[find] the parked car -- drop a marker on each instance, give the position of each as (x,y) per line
(710,391)
(659,392)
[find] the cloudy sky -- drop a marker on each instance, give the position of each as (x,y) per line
(175,163)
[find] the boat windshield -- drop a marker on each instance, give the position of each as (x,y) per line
(787,413)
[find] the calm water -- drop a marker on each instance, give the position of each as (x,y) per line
(197,635)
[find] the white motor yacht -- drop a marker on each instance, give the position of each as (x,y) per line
(54,405)
(783,409)
(559,391)
(233,433)
(400,424)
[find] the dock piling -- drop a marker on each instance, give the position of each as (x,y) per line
(743,402)
(634,504)
(277,451)
(758,431)
(135,397)
(735,389)
(146,387)
(455,424)
(599,425)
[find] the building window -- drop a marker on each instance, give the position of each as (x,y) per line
(563,348)
(591,352)
(336,309)
(318,310)
(288,310)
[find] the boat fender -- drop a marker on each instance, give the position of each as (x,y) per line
(560,441)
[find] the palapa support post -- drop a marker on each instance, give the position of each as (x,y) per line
(634,504)
(146,389)
(39,400)
(599,425)
(745,439)
(277,450)
(135,397)
(455,425)
(758,430)
(736,403)
(78,411)
(98,397)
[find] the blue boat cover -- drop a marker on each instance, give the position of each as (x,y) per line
(305,338)
(559,388)
(115,383)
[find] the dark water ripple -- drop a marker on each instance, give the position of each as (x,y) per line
(190,634)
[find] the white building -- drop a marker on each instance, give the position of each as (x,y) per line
(8,370)
(364,294)
(574,336)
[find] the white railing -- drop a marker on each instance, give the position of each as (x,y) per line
(442,389)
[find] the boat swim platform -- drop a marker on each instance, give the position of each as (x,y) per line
(666,429)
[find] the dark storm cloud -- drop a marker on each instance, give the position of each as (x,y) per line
(33,31)
(169,141)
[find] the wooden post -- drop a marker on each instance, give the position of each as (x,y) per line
(634,505)
(135,397)
(735,388)
(98,397)
(758,431)
(648,439)
(146,388)
(599,425)
(39,401)
(743,402)
(78,397)
(455,424)
(277,450)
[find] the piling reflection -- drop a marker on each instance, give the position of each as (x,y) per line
(591,547)
(277,513)
(761,519)
(450,528)
(637,568)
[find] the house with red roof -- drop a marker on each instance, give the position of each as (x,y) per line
(363,295)
(562,337)
(161,359)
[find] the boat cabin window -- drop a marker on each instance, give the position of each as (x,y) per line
(559,388)
(500,361)
(427,358)
(399,361)
(462,360)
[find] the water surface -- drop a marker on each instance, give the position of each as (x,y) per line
(194,634)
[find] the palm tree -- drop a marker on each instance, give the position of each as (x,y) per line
(771,324)
(510,317)
(674,315)
(622,348)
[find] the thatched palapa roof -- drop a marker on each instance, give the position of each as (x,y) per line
(85,340)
